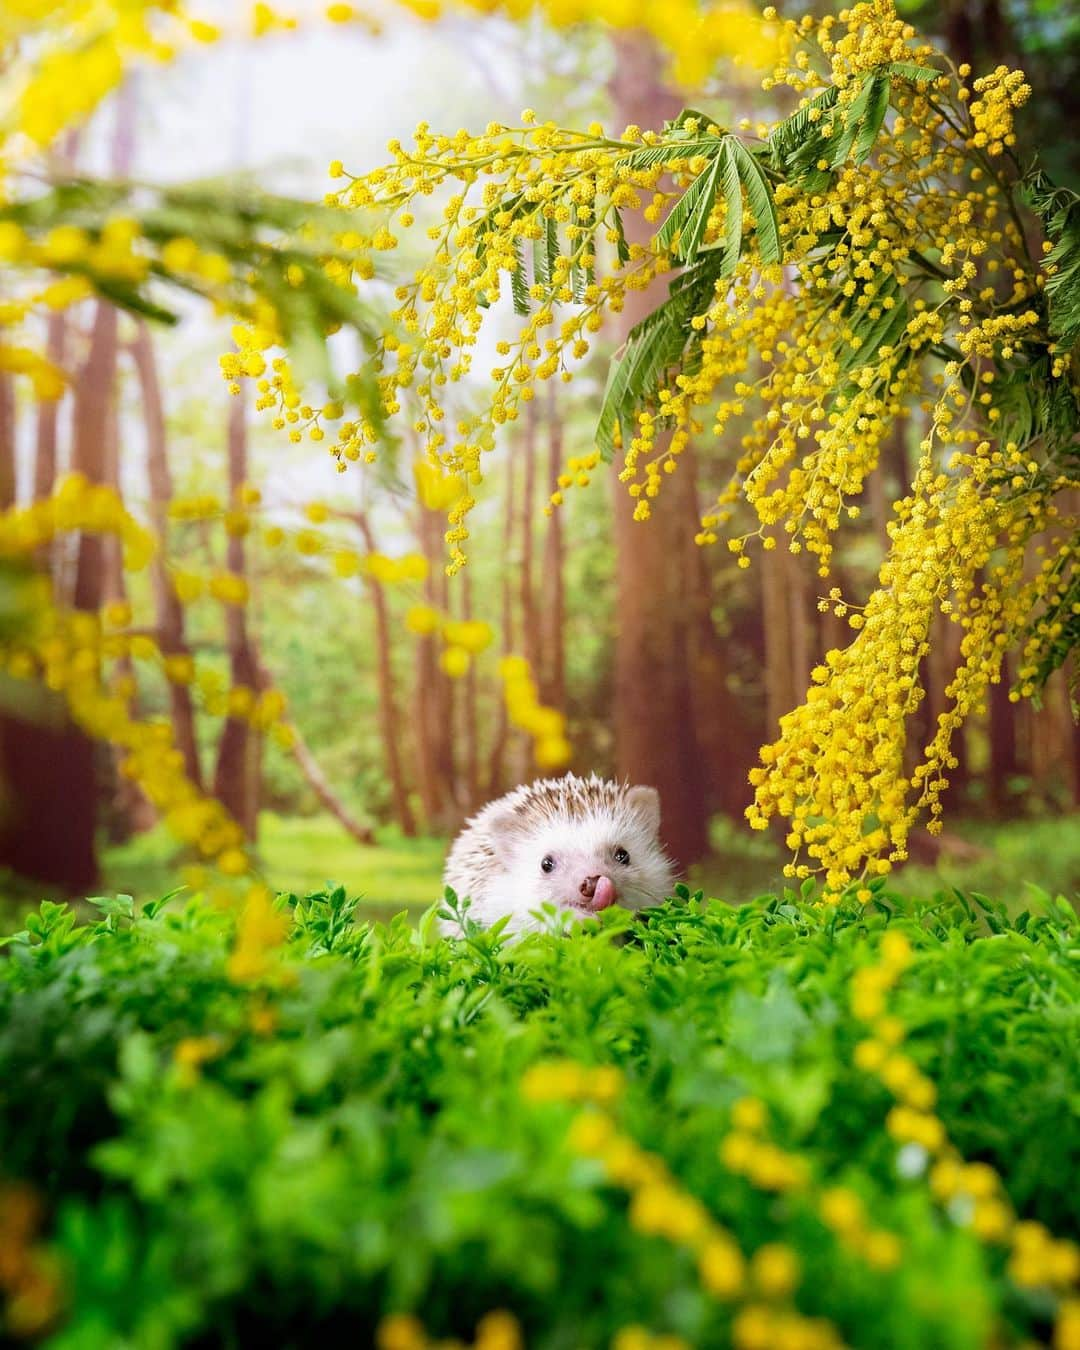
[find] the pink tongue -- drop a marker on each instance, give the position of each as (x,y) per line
(604,894)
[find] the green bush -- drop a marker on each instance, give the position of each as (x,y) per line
(365,1130)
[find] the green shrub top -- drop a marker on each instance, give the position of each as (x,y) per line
(684,1123)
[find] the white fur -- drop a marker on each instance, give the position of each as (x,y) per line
(495,860)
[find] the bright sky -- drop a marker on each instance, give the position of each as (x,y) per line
(284,107)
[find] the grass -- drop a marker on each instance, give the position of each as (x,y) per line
(301,853)
(1006,859)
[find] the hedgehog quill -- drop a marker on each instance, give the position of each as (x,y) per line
(580,844)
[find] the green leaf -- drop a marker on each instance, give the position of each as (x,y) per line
(622,248)
(671,148)
(884,331)
(759,195)
(852,121)
(660,341)
(877,107)
(909,70)
(1059,210)
(732,189)
(801,131)
(519,286)
(683,230)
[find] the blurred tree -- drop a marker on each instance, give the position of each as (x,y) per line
(389,722)
(434,692)
(552,664)
(671,715)
(237,770)
(168,609)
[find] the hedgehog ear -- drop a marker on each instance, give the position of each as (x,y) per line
(645,804)
(502,826)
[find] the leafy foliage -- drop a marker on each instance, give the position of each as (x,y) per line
(811,136)
(351,1137)
(1059,210)
(270,248)
(663,340)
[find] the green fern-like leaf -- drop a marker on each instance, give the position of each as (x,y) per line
(731,186)
(852,122)
(519,286)
(911,71)
(622,248)
(1059,210)
(884,331)
(683,230)
(671,148)
(876,108)
(759,196)
(662,340)
(789,135)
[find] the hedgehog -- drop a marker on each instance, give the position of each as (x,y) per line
(580,844)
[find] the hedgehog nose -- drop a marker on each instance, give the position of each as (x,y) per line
(588,887)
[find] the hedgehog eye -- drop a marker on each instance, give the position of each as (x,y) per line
(547,863)
(621,856)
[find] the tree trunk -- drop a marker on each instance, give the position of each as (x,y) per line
(44,756)
(1003,758)
(780,693)
(502,724)
(388,714)
(657,736)
(433,695)
(170,612)
(530,634)
(48,413)
(470,726)
(727,741)
(553,587)
(7,441)
(316,780)
(48,832)
(128,811)
(236,774)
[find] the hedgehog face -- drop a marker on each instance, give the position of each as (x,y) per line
(584,862)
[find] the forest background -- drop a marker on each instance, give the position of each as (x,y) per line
(670,664)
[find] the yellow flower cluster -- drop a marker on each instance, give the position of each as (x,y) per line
(843,1212)
(564,1080)
(529,209)
(31,1278)
(578,473)
(912,1119)
(640,1338)
(80,51)
(498,1330)
(261,928)
(69,652)
(547,726)
(76,504)
(992,112)
(746,1152)
(972,1192)
(837,771)
(660,1207)
(66,652)
(191,1053)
